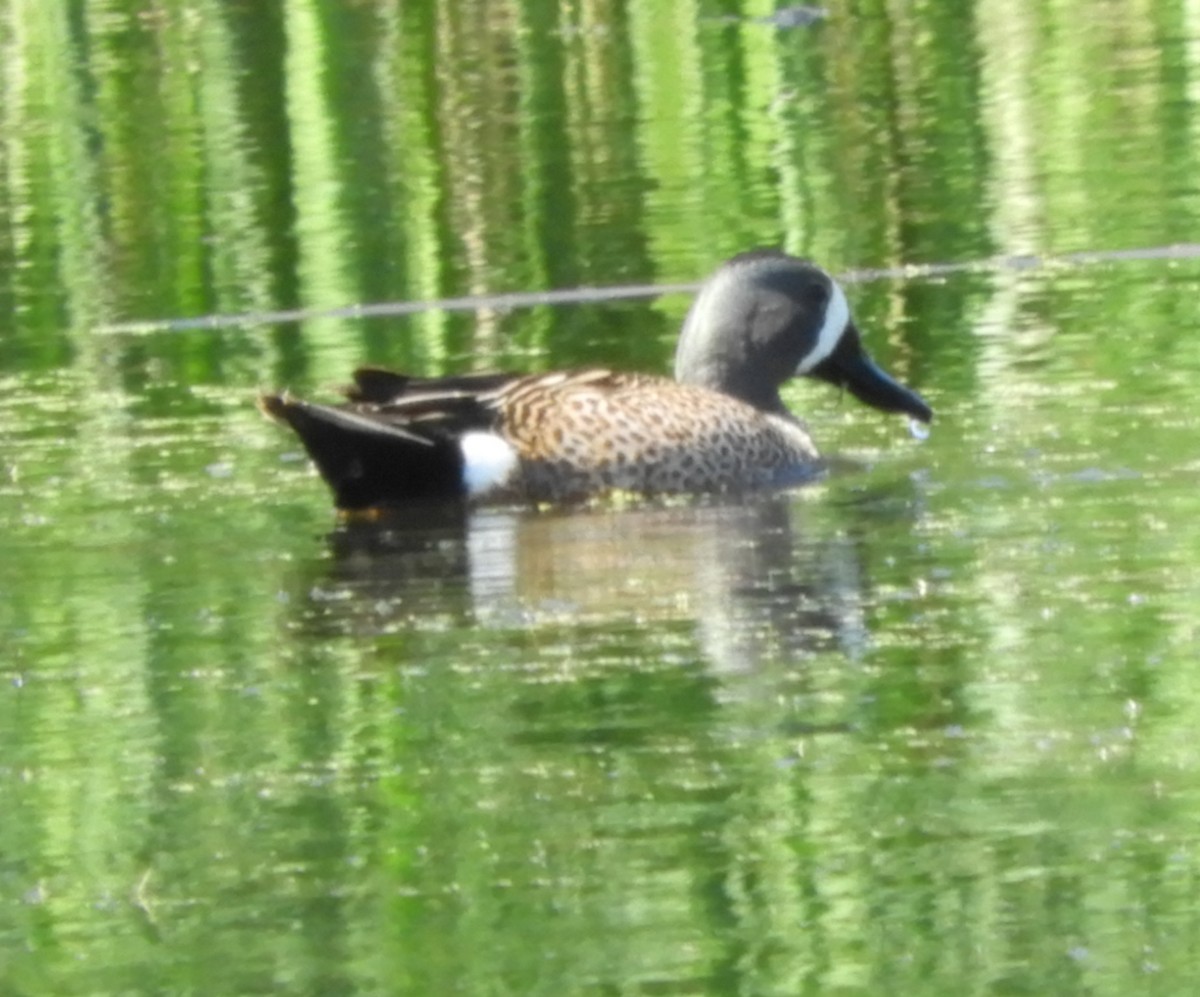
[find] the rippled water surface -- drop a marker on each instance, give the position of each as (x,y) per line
(926,726)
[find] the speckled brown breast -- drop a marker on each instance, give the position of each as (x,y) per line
(593,431)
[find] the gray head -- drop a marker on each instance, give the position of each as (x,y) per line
(765,317)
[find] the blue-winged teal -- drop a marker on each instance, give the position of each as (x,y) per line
(761,319)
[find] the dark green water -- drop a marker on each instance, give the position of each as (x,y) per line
(926,727)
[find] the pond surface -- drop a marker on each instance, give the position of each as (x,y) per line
(926,726)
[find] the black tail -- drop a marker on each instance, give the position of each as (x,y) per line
(370,463)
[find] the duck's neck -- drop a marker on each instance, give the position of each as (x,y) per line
(732,380)
(718,348)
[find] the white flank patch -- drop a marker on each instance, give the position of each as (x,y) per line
(488,462)
(837,315)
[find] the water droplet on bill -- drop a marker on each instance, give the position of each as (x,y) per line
(919,430)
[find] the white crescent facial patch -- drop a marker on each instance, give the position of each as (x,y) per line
(837,316)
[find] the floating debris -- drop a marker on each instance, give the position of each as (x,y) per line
(786,18)
(800,16)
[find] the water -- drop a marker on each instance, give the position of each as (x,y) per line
(924,727)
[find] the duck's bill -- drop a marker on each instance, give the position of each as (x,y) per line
(849,367)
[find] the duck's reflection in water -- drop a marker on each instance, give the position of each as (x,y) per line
(766,576)
(743,572)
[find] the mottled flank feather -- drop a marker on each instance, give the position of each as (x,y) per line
(597,430)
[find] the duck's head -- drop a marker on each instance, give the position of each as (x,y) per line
(765,317)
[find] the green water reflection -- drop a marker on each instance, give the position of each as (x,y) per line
(927,727)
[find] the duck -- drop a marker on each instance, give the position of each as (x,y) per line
(720,425)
